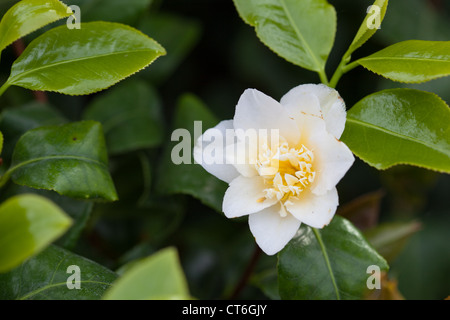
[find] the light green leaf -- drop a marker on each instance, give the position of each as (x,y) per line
(400,126)
(78,210)
(45,277)
(411,61)
(190,178)
(370,25)
(158,277)
(28,223)
(302,32)
(70,159)
(330,263)
(131,117)
(83,61)
(27,16)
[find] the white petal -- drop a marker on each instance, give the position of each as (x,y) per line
(243,156)
(256,110)
(271,231)
(245,196)
(313,210)
(217,166)
(301,100)
(305,110)
(331,105)
(332,160)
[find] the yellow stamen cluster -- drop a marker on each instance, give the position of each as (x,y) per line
(286,172)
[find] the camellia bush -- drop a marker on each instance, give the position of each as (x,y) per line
(234,149)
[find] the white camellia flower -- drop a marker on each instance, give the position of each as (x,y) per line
(292,179)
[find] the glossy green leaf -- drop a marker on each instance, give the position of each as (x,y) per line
(70,159)
(400,126)
(389,238)
(27,16)
(302,32)
(158,277)
(190,178)
(130,115)
(330,263)
(177,34)
(370,25)
(83,61)
(28,223)
(111,10)
(411,61)
(45,277)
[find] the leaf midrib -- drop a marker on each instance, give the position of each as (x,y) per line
(50,286)
(300,37)
(327,262)
(12,80)
(425,60)
(398,135)
(59,157)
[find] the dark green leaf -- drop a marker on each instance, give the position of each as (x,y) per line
(178,35)
(130,115)
(400,126)
(422,267)
(69,159)
(17,120)
(111,10)
(327,264)
(414,19)
(83,61)
(190,178)
(45,276)
(267,281)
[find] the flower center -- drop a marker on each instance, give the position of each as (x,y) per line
(287,172)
